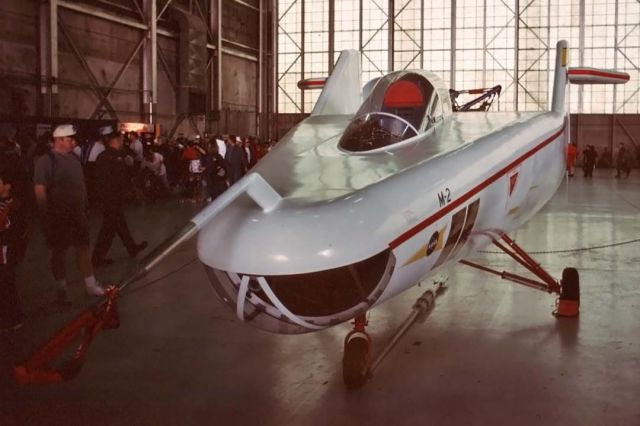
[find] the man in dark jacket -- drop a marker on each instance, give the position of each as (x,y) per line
(216,172)
(589,156)
(236,159)
(622,161)
(113,181)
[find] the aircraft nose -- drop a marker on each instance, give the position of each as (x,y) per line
(299,303)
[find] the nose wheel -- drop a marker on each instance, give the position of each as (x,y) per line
(356,361)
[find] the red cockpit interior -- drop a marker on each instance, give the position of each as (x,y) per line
(403,94)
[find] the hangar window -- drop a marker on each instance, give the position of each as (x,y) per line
(398,108)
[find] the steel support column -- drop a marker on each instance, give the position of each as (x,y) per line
(332,36)
(150,63)
(48,31)
(218,34)
(391,23)
(360,38)
(260,67)
(452,72)
(421,34)
(581,52)
(516,56)
(303,47)
(615,60)
(484,43)
(274,68)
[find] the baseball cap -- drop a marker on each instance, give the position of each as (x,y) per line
(64,130)
(105,130)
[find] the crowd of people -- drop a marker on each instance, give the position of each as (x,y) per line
(591,159)
(63,180)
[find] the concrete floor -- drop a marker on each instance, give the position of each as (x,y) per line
(491,353)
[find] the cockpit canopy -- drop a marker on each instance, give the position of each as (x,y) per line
(400,106)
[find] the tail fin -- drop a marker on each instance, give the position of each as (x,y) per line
(342,90)
(560,77)
(582,75)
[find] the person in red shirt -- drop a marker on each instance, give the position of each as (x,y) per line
(191,156)
(572,154)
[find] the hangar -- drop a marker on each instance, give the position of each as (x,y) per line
(383,186)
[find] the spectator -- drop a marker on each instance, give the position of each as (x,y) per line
(249,152)
(260,150)
(136,147)
(590,156)
(216,172)
(622,161)
(154,163)
(12,163)
(88,153)
(572,154)
(192,157)
(62,200)
(604,161)
(236,160)
(112,179)
(222,147)
(10,244)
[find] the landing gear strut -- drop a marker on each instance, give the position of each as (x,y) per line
(568,289)
(357,365)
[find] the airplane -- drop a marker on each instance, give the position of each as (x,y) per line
(381,187)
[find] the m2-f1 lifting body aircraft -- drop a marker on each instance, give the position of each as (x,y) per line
(378,189)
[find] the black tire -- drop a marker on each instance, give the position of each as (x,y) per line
(570,285)
(355,363)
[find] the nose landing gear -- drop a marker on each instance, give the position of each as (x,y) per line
(357,364)
(356,361)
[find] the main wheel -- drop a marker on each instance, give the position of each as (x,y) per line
(355,362)
(570,285)
(569,301)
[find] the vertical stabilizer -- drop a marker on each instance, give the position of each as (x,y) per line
(560,77)
(341,94)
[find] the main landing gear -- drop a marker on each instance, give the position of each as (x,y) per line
(357,363)
(568,289)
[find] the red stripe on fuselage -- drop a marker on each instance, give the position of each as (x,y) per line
(598,74)
(474,191)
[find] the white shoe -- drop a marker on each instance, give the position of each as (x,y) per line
(94,289)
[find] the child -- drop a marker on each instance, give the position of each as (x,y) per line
(10,313)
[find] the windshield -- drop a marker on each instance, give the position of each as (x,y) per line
(397,108)
(376,130)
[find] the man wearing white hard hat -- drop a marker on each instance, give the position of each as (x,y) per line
(61,195)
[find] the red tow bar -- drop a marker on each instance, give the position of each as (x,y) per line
(37,368)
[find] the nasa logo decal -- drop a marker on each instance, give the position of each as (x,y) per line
(433,243)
